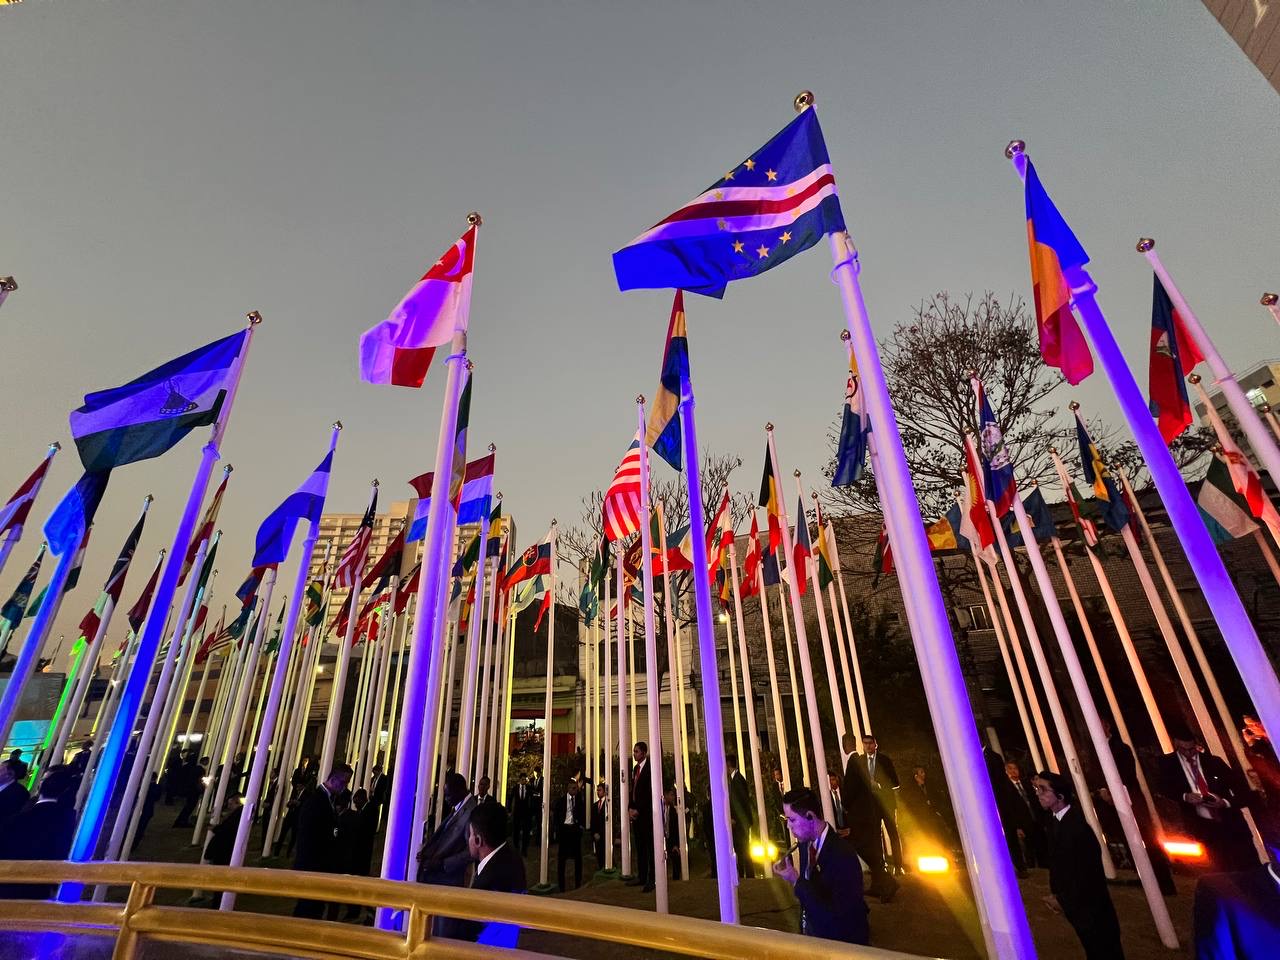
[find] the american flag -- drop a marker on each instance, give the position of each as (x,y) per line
(353,558)
(622,505)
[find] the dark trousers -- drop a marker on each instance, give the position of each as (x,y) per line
(597,842)
(642,840)
(570,849)
(890,818)
(673,858)
(188,808)
(864,833)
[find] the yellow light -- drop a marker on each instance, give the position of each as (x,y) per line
(773,852)
(724,618)
(933,865)
(757,851)
(1184,849)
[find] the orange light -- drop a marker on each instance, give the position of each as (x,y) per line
(1184,849)
(933,865)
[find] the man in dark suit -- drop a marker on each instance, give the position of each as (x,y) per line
(567,817)
(671,830)
(640,810)
(483,786)
(191,787)
(599,820)
(1209,798)
(837,805)
(740,818)
(862,815)
(1076,880)
(499,869)
(1237,915)
(884,787)
(13,795)
(444,858)
(1014,818)
(1127,765)
(1032,825)
(41,832)
(829,881)
(317,831)
(521,803)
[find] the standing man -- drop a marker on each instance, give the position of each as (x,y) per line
(1076,880)
(568,815)
(1031,823)
(41,832)
(671,829)
(498,869)
(884,787)
(640,810)
(191,779)
(1209,797)
(318,834)
(863,816)
(829,881)
(740,808)
(482,792)
(837,805)
(521,804)
(444,859)
(598,820)
(13,795)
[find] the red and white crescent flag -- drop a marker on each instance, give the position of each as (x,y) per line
(399,349)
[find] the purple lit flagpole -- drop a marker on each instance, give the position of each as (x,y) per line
(260,752)
(94,812)
(422,685)
(995,889)
(1202,554)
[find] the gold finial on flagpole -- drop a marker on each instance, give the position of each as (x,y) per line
(254,318)
(1194,378)
(375,482)
(492,448)
(639,399)
(226,471)
(8,284)
(845,335)
(499,494)
(769,427)
(1270,299)
(803,101)
(337,424)
(796,474)
(1265,407)
(1073,406)
(1146,244)
(148,499)
(1054,451)
(1015,148)
(475,219)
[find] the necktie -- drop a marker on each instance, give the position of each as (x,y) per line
(1202,785)
(871,766)
(813,860)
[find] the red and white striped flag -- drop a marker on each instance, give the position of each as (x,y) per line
(14,513)
(622,506)
(353,558)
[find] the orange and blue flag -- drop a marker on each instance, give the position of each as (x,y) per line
(802,549)
(663,431)
(777,202)
(1054,250)
(1111,505)
(1173,355)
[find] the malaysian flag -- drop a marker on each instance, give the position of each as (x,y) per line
(622,504)
(353,558)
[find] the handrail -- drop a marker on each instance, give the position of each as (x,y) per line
(141,918)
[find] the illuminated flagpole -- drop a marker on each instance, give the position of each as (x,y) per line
(7,286)
(780,721)
(679,742)
(612,794)
(624,729)
(631,669)
(11,541)
(497,728)
(1224,602)
(783,610)
(811,573)
(841,648)
(467,715)
(486,690)
(547,785)
(734,689)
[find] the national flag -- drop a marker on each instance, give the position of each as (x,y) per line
(679,551)
(399,349)
(533,588)
(249,588)
(388,564)
(305,503)
(975,521)
(663,431)
(339,625)
(1088,529)
(631,562)
(851,452)
(999,485)
(884,556)
(68,525)
(313,614)
(599,565)
(468,557)
(826,569)
(148,415)
(1042,525)
(942,536)
(458,469)
(352,562)
(534,562)
(622,506)
(802,549)
(13,515)
(1174,354)
(779,201)
(15,607)
(751,565)
(1055,250)
(77,564)
(120,569)
(542,610)
(408,587)
(769,500)
(1249,485)
(201,615)
(205,530)
(477,480)
(88,626)
(719,536)
(214,642)
(236,629)
(1225,512)
(138,612)
(497,527)
(1109,502)
(588,603)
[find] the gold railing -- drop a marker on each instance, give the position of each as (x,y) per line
(140,918)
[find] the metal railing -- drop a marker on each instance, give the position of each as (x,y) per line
(140,918)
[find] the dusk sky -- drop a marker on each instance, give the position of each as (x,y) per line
(169,165)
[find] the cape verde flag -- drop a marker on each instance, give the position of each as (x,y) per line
(774,204)
(305,503)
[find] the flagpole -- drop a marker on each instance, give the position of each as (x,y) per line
(1260,439)
(543,862)
(106,709)
(791,681)
(486,692)
(734,688)
(820,782)
(780,721)
(612,795)
(841,648)
(94,812)
(435,774)
(631,669)
(9,542)
(498,728)
(401,629)
(848,626)
(811,573)
(354,742)
(468,703)
(677,644)
(417,738)
(679,742)
(386,646)
(1224,602)
(624,730)
(506,703)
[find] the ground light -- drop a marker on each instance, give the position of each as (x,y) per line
(934,864)
(764,853)
(1188,850)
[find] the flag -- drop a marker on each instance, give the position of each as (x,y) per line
(1042,525)
(826,569)
(1174,354)
(77,564)
(779,201)
(663,431)
(148,415)
(249,588)
(477,483)
(388,564)
(214,642)
(999,485)
(1088,529)
(975,521)
(313,615)
(16,606)
(468,557)
(942,536)
(802,549)
(533,588)
(679,551)
(719,543)
(622,506)
(115,580)
(205,530)
(851,453)
(458,469)
(769,500)
(69,523)
(496,527)
(1225,512)
(600,565)
(588,603)
(1110,505)
(353,558)
(138,612)
(751,565)
(399,349)
(408,587)
(534,562)
(236,629)
(1054,250)
(305,503)
(206,570)
(13,515)
(343,617)
(631,562)
(884,556)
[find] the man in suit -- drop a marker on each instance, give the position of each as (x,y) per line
(13,795)
(482,791)
(837,805)
(884,787)
(1031,830)
(862,816)
(521,806)
(1077,884)
(443,859)
(317,830)
(191,789)
(568,817)
(671,829)
(379,787)
(740,818)
(1237,915)
(640,810)
(599,819)
(1014,818)
(1209,796)
(42,832)
(829,881)
(499,869)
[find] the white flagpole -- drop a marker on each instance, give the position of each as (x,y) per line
(1260,439)
(486,690)
(612,794)
(779,720)
(386,647)
(734,688)
(631,669)
(547,785)
(468,705)
(796,712)
(624,729)
(498,725)
(440,763)
(679,742)
(848,626)
(6,547)
(811,573)
(398,680)
(652,702)
(355,731)
(844,656)
(677,643)
(222,746)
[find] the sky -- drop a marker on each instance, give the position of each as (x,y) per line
(169,165)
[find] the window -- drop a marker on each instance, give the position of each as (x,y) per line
(978,617)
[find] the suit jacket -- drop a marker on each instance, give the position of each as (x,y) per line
(504,873)
(739,802)
(317,832)
(598,817)
(12,799)
(1222,782)
(885,781)
(860,805)
(558,811)
(43,832)
(831,897)
(641,796)
(448,845)
(1237,916)
(1076,878)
